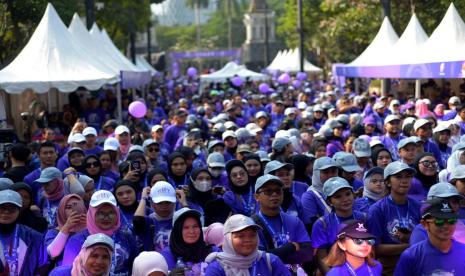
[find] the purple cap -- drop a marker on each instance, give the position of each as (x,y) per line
(355,229)
(369,121)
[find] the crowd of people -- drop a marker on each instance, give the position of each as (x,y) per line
(225,180)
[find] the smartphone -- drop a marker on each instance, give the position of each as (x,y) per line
(135,166)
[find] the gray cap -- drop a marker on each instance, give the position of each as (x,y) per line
(213,143)
(184,212)
(395,168)
(99,239)
(244,148)
(334,184)
(75,149)
(420,123)
(347,161)
(5,183)
(220,127)
(215,159)
(343,118)
(361,148)
(10,196)
(48,174)
(276,165)
(335,124)
(228,133)
(230,125)
(149,142)
(263,156)
(318,107)
(323,163)
(261,114)
(390,118)
(279,143)
(243,133)
(457,172)
(442,190)
(236,223)
(134,148)
(264,179)
(404,142)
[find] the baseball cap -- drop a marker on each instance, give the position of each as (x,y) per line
(419,123)
(458,146)
(181,112)
(48,174)
(275,165)
(261,114)
(112,122)
(347,161)
(10,196)
(236,223)
(454,100)
(111,143)
(89,131)
(375,142)
(243,133)
(397,167)
(395,102)
(213,143)
(343,118)
(301,105)
(290,110)
(442,190)
(243,148)
(440,127)
(75,149)
(5,183)
(404,142)
(229,125)
(185,212)
(282,133)
(458,172)
(163,191)
(215,160)
(228,133)
(361,148)
(318,108)
(354,229)
(374,170)
(279,143)
(438,209)
(99,239)
(149,142)
(369,121)
(265,179)
(334,184)
(335,124)
(78,138)
(263,156)
(122,129)
(253,128)
(390,118)
(323,163)
(101,197)
(155,128)
(378,105)
(134,148)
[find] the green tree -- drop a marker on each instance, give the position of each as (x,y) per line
(197,5)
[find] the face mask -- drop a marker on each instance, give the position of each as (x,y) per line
(197,150)
(203,186)
(215,173)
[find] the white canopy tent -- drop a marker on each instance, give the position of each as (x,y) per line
(230,70)
(143,64)
(289,61)
(53,58)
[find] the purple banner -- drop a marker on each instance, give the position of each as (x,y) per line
(131,79)
(444,70)
(235,53)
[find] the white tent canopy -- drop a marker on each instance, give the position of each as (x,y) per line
(143,64)
(53,58)
(230,70)
(383,41)
(289,61)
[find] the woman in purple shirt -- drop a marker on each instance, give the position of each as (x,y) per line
(93,169)
(240,197)
(426,176)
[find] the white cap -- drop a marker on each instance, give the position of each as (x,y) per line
(155,128)
(301,105)
(390,118)
(378,105)
(282,134)
(419,123)
(138,148)
(253,128)
(228,133)
(163,191)
(101,197)
(148,262)
(121,129)
(290,110)
(441,127)
(111,143)
(89,131)
(78,138)
(454,100)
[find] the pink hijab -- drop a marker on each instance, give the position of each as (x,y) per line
(91,225)
(421,109)
(58,192)
(80,208)
(79,268)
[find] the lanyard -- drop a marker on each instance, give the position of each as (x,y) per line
(278,237)
(127,223)
(352,272)
(145,181)
(99,183)
(248,205)
(51,214)
(10,251)
(403,220)
(113,258)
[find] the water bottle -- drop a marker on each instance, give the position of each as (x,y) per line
(180,265)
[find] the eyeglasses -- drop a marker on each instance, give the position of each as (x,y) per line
(102,215)
(428,163)
(92,164)
(440,222)
(270,192)
(153,149)
(367,241)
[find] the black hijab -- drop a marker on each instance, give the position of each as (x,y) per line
(194,253)
(94,177)
(253,156)
(300,162)
(426,181)
(131,208)
(170,160)
(196,196)
(236,189)
(154,172)
(187,152)
(375,154)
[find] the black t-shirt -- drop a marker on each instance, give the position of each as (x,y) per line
(17,174)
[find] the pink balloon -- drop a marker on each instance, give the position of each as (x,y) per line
(284,78)
(137,109)
(264,88)
(237,81)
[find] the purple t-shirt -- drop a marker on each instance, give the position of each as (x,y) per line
(385,217)
(299,188)
(313,206)
(241,204)
(172,134)
(417,190)
(365,269)
(425,259)
(96,150)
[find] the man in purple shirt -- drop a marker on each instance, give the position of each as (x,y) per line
(424,130)
(90,147)
(439,254)
(393,135)
(177,129)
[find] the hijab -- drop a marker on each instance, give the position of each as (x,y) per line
(231,262)
(300,162)
(366,182)
(454,160)
(252,156)
(375,154)
(427,181)
(195,195)
(58,192)
(154,172)
(61,215)
(131,208)
(187,152)
(94,177)
(170,160)
(23,186)
(79,263)
(236,189)
(92,226)
(148,262)
(194,253)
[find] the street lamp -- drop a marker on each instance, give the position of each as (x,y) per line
(301,35)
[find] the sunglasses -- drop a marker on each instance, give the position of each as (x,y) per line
(367,241)
(428,163)
(92,164)
(153,149)
(270,192)
(440,222)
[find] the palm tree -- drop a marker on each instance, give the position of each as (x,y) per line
(196,5)
(231,8)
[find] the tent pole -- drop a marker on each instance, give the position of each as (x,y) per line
(417,88)
(383,87)
(119,103)
(357,85)
(49,100)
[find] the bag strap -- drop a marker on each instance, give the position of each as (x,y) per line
(327,207)
(268,262)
